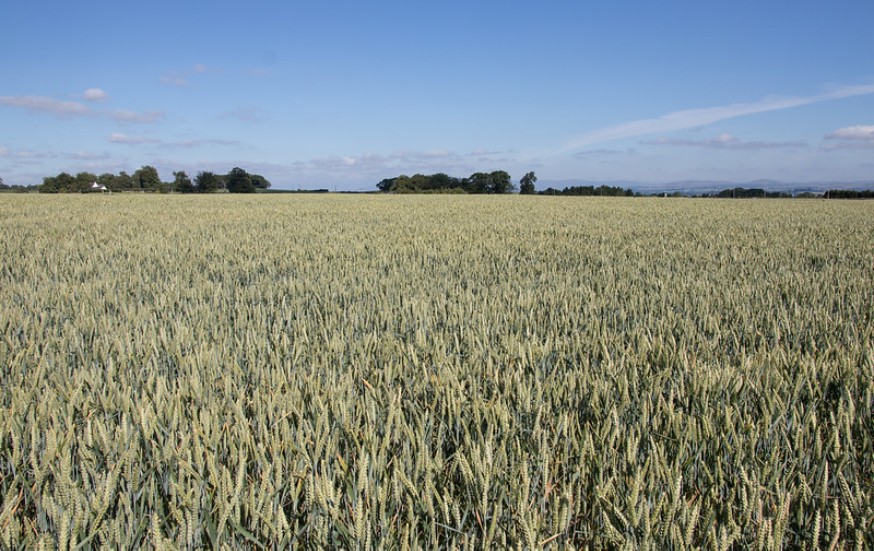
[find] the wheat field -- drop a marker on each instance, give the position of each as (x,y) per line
(402,372)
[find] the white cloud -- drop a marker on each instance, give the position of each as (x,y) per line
(76,109)
(95,94)
(118,137)
(199,143)
(723,141)
(3,152)
(200,68)
(603,152)
(132,116)
(860,132)
(691,118)
(89,156)
(48,105)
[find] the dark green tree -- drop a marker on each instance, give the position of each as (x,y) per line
(107,180)
(49,185)
(478,182)
(62,183)
(260,182)
(500,182)
(386,185)
(526,184)
(207,182)
(123,181)
(146,178)
(84,181)
(239,181)
(182,183)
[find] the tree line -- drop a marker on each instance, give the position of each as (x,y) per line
(479,182)
(590,191)
(759,193)
(4,187)
(146,178)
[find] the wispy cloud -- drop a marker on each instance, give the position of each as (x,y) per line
(123,115)
(26,157)
(120,138)
(691,118)
(245,114)
(46,105)
(95,94)
(127,139)
(66,109)
(723,141)
(602,152)
(90,156)
(850,138)
(183,78)
(189,144)
(861,132)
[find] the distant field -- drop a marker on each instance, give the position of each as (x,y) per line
(435,371)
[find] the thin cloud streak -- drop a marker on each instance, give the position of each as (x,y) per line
(120,138)
(42,104)
(123,115)
(724,141)
(47,105)
(691,118)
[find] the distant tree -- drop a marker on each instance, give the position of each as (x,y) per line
(49,185)
(260,182)
(386,185)
(500,182)
(849,194)
(62,183)
(420,182)
(441,181)
(3,185)
(239,181)
(207,182)
(146,178)
(478,182)
(403,183)
(66,182)
(590,191)
(526,184)
(84,181)
(123,181)
(107,180)
(182,183)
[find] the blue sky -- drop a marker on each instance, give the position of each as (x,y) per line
(343,94)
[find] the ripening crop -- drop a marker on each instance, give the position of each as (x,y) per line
(322,371)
